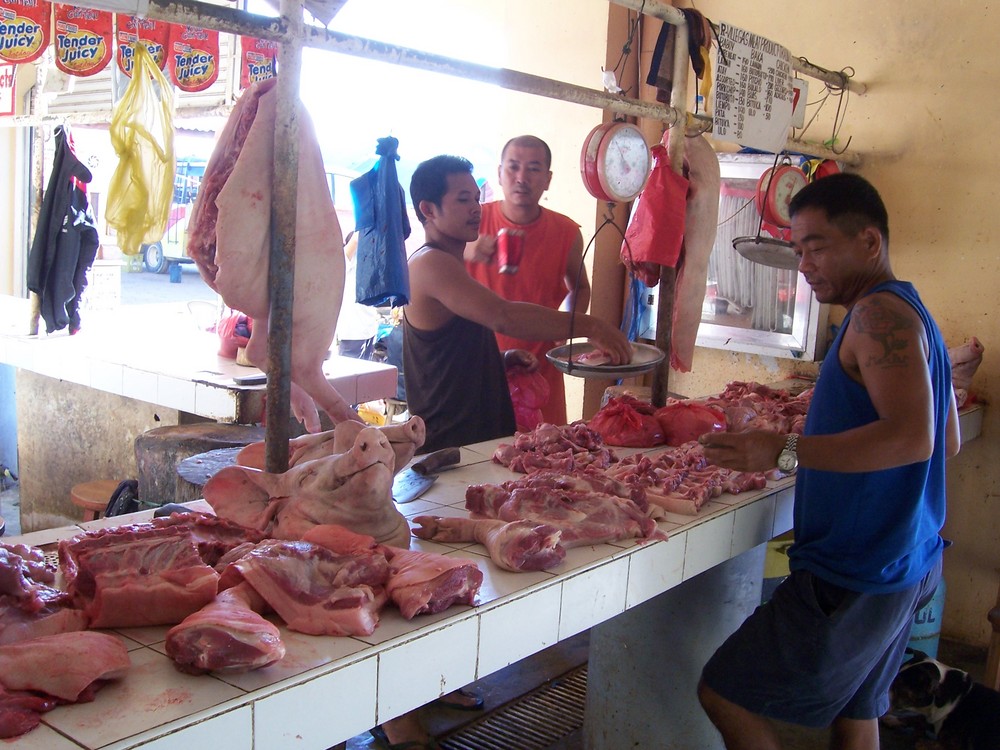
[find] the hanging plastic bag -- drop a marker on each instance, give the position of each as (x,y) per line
(142,133)
(656,230)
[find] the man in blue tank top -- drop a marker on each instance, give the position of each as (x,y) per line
(869,494)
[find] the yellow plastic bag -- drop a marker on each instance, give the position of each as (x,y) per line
(142,133)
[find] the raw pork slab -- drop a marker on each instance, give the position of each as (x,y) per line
(230,240)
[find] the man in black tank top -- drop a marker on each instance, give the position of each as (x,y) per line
(454,373)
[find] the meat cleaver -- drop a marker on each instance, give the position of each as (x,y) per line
(411,483)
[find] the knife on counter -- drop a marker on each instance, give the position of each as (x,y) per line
(411,483)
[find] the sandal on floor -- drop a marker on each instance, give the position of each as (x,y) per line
(475,698)
(382,742)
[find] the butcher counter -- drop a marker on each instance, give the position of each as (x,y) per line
(82,400)
(326,689)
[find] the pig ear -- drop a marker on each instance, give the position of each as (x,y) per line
(252,456)
(244,495)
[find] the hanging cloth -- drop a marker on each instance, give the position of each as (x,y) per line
(661,66)
(382,226)
(66,240)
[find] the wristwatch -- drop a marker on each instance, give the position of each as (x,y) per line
(788,459)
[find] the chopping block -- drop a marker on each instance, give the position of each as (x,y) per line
(159,451)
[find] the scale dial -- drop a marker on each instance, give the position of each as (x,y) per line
(615,162)
(775,190)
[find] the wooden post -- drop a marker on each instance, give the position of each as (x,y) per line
(668,275)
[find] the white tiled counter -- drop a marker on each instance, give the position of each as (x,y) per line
(327,689)
(82,400)
(164,359)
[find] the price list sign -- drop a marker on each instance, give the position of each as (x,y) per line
(753,90)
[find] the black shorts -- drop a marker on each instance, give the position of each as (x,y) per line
(815,651)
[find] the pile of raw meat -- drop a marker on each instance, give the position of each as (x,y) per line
(577,492)
(292,548)
(628,422)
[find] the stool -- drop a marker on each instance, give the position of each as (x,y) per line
(93,497)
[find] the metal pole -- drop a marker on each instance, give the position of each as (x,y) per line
(233,21)
(281,275)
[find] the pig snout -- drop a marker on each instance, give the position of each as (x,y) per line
(370,447)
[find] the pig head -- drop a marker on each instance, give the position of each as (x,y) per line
(404,438)
(352,489)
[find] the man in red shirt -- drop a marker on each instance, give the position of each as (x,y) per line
(553,248)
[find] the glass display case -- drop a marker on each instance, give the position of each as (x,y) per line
(750,307)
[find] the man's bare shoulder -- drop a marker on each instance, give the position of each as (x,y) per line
(885,332)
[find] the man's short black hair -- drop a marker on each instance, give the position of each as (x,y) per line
(849,200)
(430,180)
(528,141)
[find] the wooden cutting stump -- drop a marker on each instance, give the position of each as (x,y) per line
(159,451)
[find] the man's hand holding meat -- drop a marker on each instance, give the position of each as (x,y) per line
(756,450)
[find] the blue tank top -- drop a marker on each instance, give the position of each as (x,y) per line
(872,531)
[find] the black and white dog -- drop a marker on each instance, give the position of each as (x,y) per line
(962,714)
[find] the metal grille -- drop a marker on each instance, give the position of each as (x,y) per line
(534,721)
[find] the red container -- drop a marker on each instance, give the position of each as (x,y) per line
(510,248)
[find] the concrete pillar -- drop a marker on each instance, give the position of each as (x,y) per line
(645,663)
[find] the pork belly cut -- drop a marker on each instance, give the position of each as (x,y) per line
(512,545)
(53,618)
(229,237)
(39,674)
(314,590)
(153,573)
(228,634)
(425,582)
(63,666)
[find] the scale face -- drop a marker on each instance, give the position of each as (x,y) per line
(615,162)
(775,190)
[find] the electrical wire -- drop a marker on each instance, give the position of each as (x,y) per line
(633,26)
(608,219)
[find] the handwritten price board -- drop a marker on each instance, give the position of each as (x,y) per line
(753,90)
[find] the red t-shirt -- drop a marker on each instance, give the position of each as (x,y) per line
(539,279)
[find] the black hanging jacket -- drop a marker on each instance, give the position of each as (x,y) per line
(66,240)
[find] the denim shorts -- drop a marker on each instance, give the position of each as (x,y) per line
(816,652)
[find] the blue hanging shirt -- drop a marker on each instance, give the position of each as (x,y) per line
(382,226)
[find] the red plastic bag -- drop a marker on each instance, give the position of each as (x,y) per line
(656,230)
(684,421)
(627,422)
(529,392)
